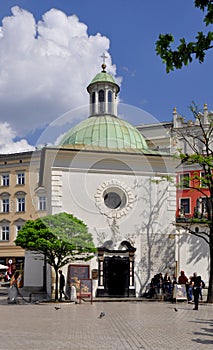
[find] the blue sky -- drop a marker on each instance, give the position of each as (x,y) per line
(128,32)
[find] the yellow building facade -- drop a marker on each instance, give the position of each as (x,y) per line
(19,173)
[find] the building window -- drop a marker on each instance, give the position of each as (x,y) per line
(5,233)
(203,180)
(101,96)
(101,101)
(42,203)
(93,102)
(185,206)
(5,180)
(110,101)
(18,228)
(184,180)
(20,179)
(21,204)
(93,97)
(201,209)
(5,205)
(205,201)
(114,198)
(109,96)
(19,225)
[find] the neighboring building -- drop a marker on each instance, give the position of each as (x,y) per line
(17,203)
(158,136)
(192,253)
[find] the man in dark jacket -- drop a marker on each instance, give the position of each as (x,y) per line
(61,285)
(196,282)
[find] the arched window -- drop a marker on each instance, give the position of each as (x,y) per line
(110,101)
(93,102)
(93,97)
(101,101)
(109,96)
(101,96)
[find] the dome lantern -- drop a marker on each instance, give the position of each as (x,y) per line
(103,91)
(104,130)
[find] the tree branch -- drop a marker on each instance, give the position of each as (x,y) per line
(202,234)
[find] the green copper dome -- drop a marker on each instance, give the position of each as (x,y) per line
(105,132)
(103,77)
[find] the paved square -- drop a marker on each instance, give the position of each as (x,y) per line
(126,325)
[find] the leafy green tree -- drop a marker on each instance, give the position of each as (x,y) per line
(61,238)
(175,59)
(198,140)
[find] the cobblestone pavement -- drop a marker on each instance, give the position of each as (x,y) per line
(126,325)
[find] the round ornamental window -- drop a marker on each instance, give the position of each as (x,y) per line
(114,198)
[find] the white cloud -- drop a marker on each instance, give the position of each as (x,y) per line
(7,142)
(45,67)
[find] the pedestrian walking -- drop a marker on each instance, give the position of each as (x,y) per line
(196,281)
(61,285)
(13,290)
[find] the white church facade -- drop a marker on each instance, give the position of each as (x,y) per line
(104,174)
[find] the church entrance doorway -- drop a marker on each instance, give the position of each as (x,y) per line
(117,276)
(116,271)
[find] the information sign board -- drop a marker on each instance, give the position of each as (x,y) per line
(179,292)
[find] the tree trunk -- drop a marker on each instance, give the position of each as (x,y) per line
(210,289)
(56,283)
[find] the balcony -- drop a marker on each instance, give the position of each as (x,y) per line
(198,216)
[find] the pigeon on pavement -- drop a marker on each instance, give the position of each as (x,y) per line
(57,308)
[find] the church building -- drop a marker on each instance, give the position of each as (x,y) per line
(104,173)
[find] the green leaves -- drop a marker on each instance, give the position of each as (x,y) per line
(183,55)
(163,49)
(208,5)
(61,237)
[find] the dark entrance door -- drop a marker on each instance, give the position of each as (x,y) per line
(117,276)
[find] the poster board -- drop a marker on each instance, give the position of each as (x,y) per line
(179,292)
(75,274)
(86,288)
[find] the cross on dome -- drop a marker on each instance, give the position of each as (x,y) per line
(103,66)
